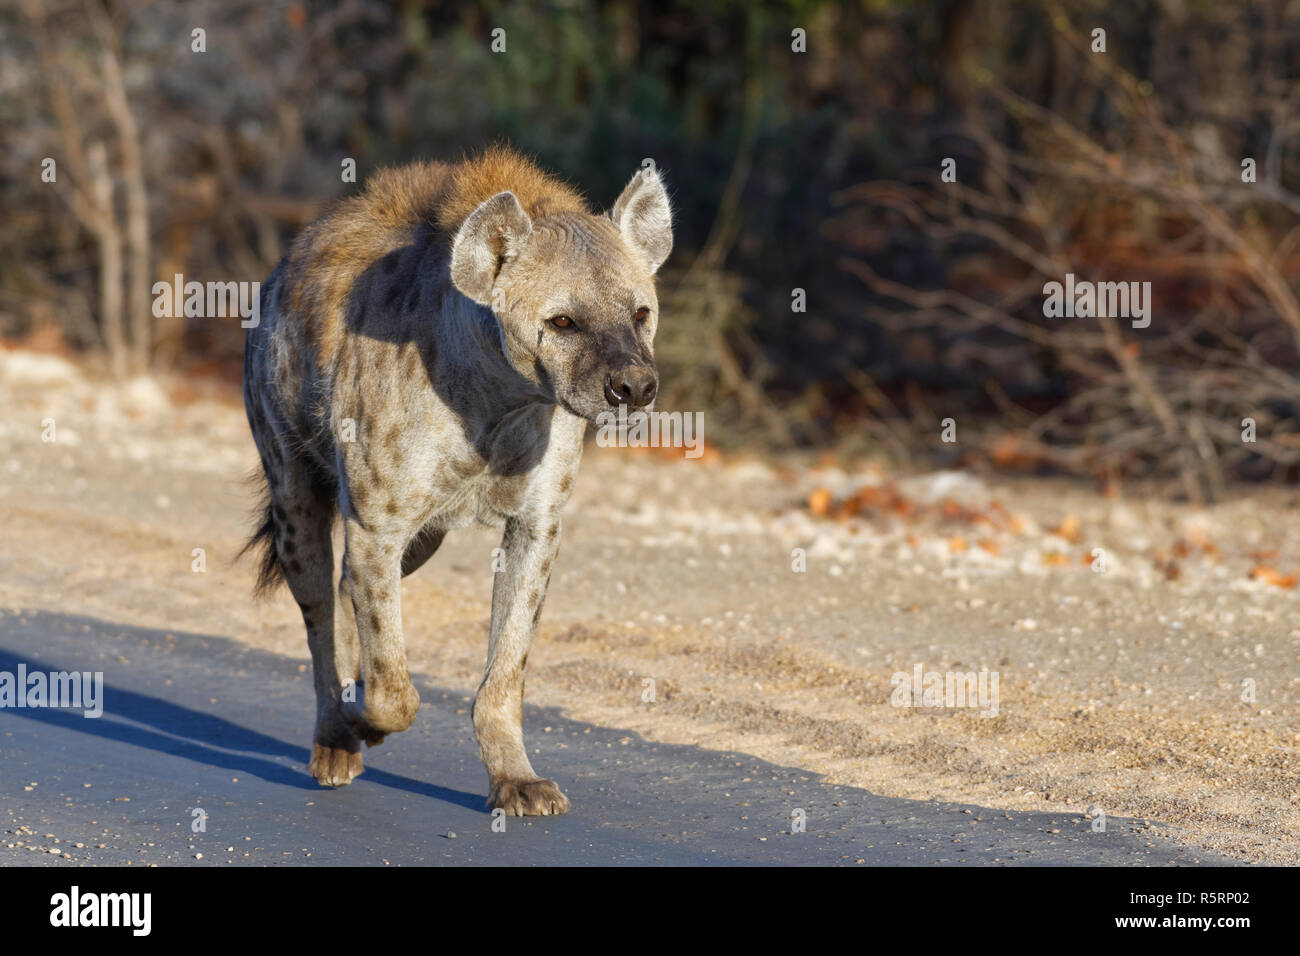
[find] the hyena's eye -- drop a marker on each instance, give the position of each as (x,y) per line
(642,314)
(562,322)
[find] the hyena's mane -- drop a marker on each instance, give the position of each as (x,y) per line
(497,170)
(328,256)
(401,197)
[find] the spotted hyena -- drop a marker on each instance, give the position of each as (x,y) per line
(429,355)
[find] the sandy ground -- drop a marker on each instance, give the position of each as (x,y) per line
(1161,687)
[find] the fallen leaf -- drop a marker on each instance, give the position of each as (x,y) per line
(819,502)
(1069,529)
(1268,575)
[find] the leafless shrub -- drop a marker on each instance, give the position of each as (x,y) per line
(1141,200)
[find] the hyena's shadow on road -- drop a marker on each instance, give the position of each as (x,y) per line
(155,723)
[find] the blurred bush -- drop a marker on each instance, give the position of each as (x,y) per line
(814,171)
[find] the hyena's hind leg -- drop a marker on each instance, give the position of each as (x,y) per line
(296,533)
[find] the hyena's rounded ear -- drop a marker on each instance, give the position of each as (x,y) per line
(645,217)
(493,234)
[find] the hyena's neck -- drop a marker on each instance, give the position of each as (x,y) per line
(477,379)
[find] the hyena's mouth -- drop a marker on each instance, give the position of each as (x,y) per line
(568,406)
(592,416)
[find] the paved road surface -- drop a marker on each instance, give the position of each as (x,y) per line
(196,721)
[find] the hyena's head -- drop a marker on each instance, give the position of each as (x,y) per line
(574,292)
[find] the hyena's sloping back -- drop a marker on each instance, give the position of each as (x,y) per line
(309,289)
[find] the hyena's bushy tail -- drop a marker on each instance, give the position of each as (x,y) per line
(269,573)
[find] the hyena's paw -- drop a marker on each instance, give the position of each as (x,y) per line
(380,713)
(528,798)
(335,766)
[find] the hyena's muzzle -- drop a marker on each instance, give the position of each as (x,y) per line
(632,385)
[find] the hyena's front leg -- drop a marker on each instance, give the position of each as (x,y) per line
(530,545)
(374,571)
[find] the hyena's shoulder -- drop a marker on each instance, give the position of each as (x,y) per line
(330,255)
(401,212)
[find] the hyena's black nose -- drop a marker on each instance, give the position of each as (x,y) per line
(636,386)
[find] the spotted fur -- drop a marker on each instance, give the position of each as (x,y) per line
(408,376)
